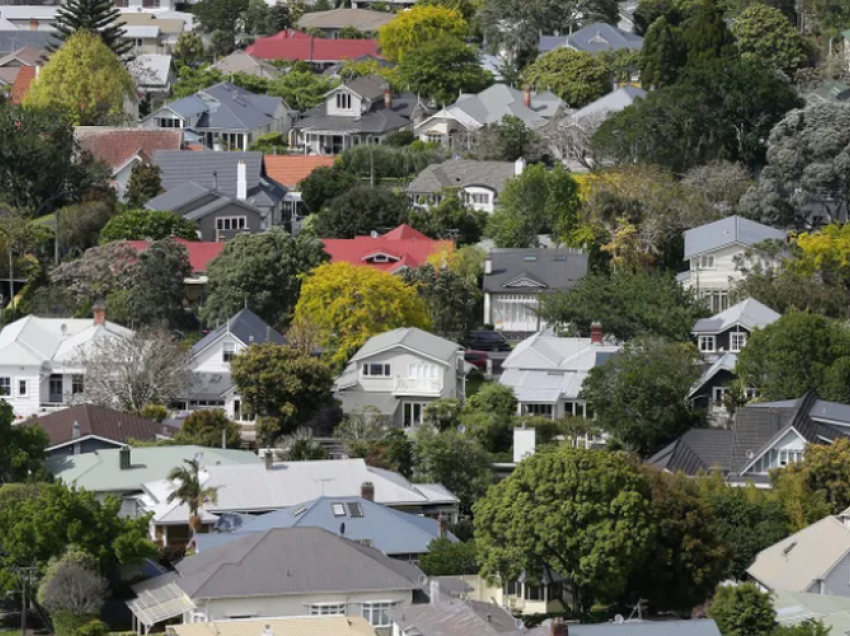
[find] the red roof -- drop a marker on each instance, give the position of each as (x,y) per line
(22,84)
(116,146)
(402,247)
(200,252)
(294,45)
(289,170)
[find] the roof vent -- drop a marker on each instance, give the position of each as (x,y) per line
(787,549)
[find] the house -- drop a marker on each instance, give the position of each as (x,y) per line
(121,149)
(290,626)
(225,193)
(158,7)
(11,64)
(153,74)
(519,597)
(514,280)
(719,340)
(331,23)
(795,608)
(12,39)
(23,80)
(460,618)
(223,117)
(397,250)
(295,46)
(714,252)
(289,171)
(40,365)
(829,92)
(87,428)
(594,38)
(399,373)
(211,356)
(359,111)
(152,33)
(30,17)
(394,5)
(455,126)
(281,572)
(269,486)
(547,372)
(814,560)
(240,62)
(479,183)
(762,436)
(397,534)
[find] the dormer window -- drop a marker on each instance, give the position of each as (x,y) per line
(737,341)
(343,101)
(380,257)
(707,344)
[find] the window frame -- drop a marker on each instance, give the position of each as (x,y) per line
(733,337)
(78,384)
(328,609)
(386,368)
(704,340)
(228,352)
(377,609)
(412,421)
(6,386)
(241,223)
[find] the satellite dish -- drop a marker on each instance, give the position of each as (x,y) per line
(422,579)
(520,626)
(750,454)
(619,619)
(462,428)
(373,234)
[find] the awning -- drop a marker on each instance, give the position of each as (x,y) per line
(159,599)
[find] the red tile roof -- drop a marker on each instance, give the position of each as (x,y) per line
(289,170)
(95,420)
(402,247)
(195,147)
(116,146)
(22,84)
(200,252)
(294,45)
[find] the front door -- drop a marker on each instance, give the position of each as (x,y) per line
(55,389)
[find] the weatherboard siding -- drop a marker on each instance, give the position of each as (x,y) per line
(837,582)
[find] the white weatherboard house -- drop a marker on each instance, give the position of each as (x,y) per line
(40,364)
(713,252)
(399,373)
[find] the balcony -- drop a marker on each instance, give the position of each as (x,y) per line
(417,386)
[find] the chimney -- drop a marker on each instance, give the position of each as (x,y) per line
(268,459)
(367,491)
(215,179)
(433,592)
(488,265)
(75,431)
(559,627)
(388,98)
(443,527)
(99,312)
(241,181)
(526,96)
(124,458)
(519,166)
(596,333)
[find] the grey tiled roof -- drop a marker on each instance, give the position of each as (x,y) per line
(378,120)
(493,103)
(416,339)
(370,87)
(599,36)
(247,326)
(462,618)
(699,449)
(729,231)
(462,173)
(227,106)
(556,269)
(613,102)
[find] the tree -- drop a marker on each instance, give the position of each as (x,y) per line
(188,50)
(155,285)
(450,219)
(260,271)
(451,300)
(301,88)
(453,459)
(785,291)
(798,353)
(538,201)
(323,185)
(706,35)
(442,68)
(425,23)
(807,152)
(283,383)
(99,272)
(136,369)
(220,15)
(190,491)
(144,184)
(151,225)
(279,18)
(367,434)
(507,140)
(663,54)
(85,80)
(350,304)
(73,593)
(22,452)
(742,610)
(649,11)
(584,514)
(269,143)
(765,34)
(823,254)
(361,210)
(100,17)
(256,18)
(300,446)
(719,185)
(448,558)
(80,225)
(209,427)
(640,396)
(382,161)
(575,76)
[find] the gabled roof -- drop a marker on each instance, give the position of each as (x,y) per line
(599,36)
(201,253)
(23,80)
(558,269)
(405,247)
(150,69)
(245,326)
(97,421)
(294,45)
(361,19)
(726,362)
(410,338)
(795,564)
(391,531)
(371,87)
(462,173)
(115,146)
(227,106)
(694,627)
(749,314)
(700,449)
(733,230)
(462,618)
(793,608)
(290,170)
(288,626)
(24,56)
(241,62)
(613,102)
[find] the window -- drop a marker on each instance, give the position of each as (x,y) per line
(707,344)
(434,138)
(413,413)
(533,593)
(151,4)
(76,384)
(718,299)
(377,370)
(706,262)
(231,223)
(481,198)
(327,609)
(737,341)
(228,352)
(138,42)
(577,409)
(22,387)
(718,392)
(539,410)
(376,613)
(511,588)
(343,101)
(338,509)
(355,509)
(5,386)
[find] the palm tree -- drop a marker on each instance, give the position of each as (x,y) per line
(300,446)
(190,491)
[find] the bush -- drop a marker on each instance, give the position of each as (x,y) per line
(92,628)
(67,623)
(400,138)
(136,225)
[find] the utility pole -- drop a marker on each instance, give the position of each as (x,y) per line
(25,573)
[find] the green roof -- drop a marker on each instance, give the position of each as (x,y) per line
(795,607)
(101,471)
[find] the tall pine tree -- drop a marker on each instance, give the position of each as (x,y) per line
(706,35)
(662,55)
(96,16)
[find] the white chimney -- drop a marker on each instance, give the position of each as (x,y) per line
(488,265)
(241,181)
(525,441)
(434,592)
(519,166)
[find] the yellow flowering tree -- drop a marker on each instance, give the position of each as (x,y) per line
(84,79)
(825,253)
(349,304)
(420,24)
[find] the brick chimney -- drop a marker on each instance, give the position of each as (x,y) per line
(596,333)
(526,96)
(367,491)
(559,627)
(268,459)
(99,312)
(388,98)
(124,462)
(444,530)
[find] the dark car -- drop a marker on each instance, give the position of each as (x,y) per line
(486,341)
(477,359)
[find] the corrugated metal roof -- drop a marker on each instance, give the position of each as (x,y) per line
(557,269)
(729,231)
(696,627)
(416,339)
(290,626)
(750,314)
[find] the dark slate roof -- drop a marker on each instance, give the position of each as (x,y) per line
(247,326)
(370,87)
(699,449)
(94,420)
(377,120)
(227,106)
(555,269)
(11,41)
(461,173)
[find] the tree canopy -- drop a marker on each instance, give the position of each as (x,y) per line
(766,35)
(100,17)
(209,427)
(361,210)
(137,225)
(576,77)
(452,301)
(663,54)
(421,24)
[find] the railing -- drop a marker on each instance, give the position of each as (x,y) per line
(427,386)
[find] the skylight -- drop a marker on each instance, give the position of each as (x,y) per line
(338,509)
(355,509)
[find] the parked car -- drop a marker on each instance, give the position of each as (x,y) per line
(486,341)
(478,359)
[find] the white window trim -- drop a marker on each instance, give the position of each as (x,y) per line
(219,222)
(6,386)
(26,385)
(737,334)
(712,340)
(385,366)
(411,405)
(375,608)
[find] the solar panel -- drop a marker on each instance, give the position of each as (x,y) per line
(355,509)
